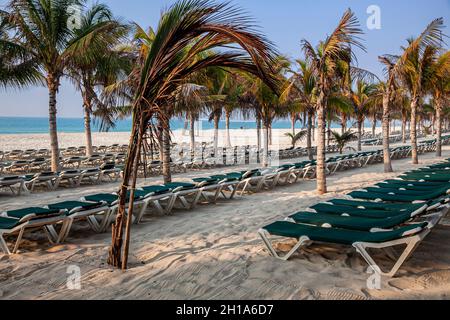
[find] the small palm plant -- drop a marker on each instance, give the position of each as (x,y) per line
(342,140)
(296,138)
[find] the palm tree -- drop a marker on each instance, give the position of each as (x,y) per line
(438,75)
(364,96)
(342,140)
(268,103)
(17,67)
(44,29)
(412,66)
(186,30)
(325,61)
(100,66)
(296,138)
(304,84)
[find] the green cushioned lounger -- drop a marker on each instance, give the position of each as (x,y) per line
(393,197)
(436,193)
(349,222)
(367,213)
(75,205)
(377,206)
(31,212)
(409,235)
(156,190)
(181,185)
(8,223)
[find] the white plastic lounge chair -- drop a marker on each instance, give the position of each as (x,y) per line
(16,222)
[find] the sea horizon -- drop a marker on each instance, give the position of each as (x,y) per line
(39,125)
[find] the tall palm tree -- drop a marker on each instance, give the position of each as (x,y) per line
(186,30)
(412,66)
(325,60)
(304,84)
(45,30)
(438,75)
(362,98)
(269,103)
(101,65)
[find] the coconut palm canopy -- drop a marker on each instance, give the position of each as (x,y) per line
(187,30)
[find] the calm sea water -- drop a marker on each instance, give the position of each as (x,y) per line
(19,125)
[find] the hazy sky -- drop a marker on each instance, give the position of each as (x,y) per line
(285,22)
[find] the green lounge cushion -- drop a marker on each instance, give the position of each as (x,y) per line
(340,236)
(366,213)
(411,187)
(8,223)
(438,191)
(156,190)
(207,181)
(377,205)
(415,183)
(38,212)
(71,205)
(182,185)
(352,223)
(395,197)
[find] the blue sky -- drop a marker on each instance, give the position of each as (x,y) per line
(285,22)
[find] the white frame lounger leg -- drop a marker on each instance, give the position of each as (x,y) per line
(411,244)
(18,240)
(265,237)
(4,245)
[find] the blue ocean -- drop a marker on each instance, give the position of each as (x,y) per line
(22,125)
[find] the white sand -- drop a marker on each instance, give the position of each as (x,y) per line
(239,137)
(214,252)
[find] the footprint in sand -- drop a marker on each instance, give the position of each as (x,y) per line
(343,294)
(431,280)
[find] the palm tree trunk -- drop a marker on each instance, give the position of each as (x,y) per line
(227,127)
(438,128)
(343,123)
(360,124)
(87,124)
(216,133)
(266,146)
(414,104)
(270,135)
(258,137)
(116,259)
(192,135)
(53,85)
(185,126)
(386,133)
(321,174)
(329,132)
(167,175)
(374,127)
(293,121)
(309,136)
(404,120)
(314,128)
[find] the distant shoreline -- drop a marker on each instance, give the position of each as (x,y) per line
(39,125)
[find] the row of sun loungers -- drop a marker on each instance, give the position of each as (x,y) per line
(395,212)
(71,151)
(75,162)
(99,209)
(52,180)
(266,178)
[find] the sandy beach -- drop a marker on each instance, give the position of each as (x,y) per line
(239,137)
(214,252)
